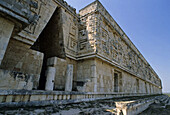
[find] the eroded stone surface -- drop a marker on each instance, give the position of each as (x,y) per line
(50,78)
(99,107)
(160,107)
(103,58)
(69,78)
(6,29)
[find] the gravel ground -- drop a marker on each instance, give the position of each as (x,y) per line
(159,108)
(100,107)
(84,108)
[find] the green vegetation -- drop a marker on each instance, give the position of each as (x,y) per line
(167,94)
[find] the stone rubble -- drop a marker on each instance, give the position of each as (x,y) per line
(100,107)
(160,107)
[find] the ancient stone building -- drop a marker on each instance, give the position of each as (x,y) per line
(46,45)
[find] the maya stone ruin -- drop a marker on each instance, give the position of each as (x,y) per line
(45,46)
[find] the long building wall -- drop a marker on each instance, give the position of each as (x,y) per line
(97,75)
(59,45)
(112,44)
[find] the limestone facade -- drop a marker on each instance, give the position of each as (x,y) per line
(54,48)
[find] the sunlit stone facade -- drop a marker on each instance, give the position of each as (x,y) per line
(46,45)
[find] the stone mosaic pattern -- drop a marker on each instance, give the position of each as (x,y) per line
(108,41)
(103,57)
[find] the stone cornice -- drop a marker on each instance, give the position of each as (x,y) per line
(124,37)
(18,10)
(71,10)
(40,92)
(132,46)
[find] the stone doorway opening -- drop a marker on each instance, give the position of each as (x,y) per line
(116,86)
(137,85)
(146,89)
(42,80)
(50,43)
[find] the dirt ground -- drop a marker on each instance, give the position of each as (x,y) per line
(160,108)
(157,109)
(84,108)
(100,107)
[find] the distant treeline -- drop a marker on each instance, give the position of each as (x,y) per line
(167,94)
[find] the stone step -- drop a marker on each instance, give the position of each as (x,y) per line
(167,100)
(163,99)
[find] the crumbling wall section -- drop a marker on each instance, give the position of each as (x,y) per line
(19,59)
(18,80)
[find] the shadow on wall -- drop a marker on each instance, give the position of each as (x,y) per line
(50,42)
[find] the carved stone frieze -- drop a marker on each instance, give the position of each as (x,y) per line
(111,42)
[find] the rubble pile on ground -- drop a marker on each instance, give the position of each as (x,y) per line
(160,107)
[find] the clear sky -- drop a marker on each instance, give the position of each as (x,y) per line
(147,23)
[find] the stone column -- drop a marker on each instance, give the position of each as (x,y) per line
(69,78)
(113,71)
(50,73)
(94,77)
(50,78)
(6,28)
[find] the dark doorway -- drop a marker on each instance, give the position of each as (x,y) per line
(116,82)
(120,82)
(50,42)
(137,85)
(146,87)
(42,80)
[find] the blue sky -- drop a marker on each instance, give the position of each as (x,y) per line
(147,23)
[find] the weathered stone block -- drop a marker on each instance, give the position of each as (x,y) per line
(55,97)
(60,97)
(9,98)
(64,97)
(17,98)
(26,98)
(6,29)
(68,97)
(2,98)
(51,71)
(34,98)
(50,97)
(52,61)
(21,84)
(69,78)
(42,97)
